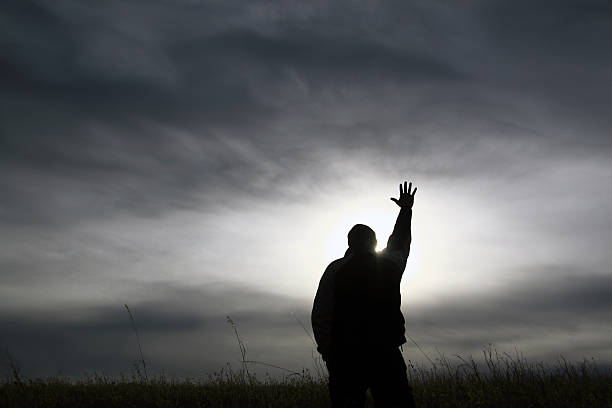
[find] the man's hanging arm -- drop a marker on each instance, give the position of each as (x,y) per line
(322,316)
(398,245)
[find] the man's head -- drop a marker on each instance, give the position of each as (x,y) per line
(362,238)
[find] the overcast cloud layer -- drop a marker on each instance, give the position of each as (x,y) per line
(202,159)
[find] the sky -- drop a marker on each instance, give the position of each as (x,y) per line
(203,159)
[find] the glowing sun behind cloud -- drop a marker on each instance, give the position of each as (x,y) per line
(381,221)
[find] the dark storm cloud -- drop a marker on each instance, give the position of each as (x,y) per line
(557,50)
(59,93)
(94,99)
(567,28)
(210,74)
(184,329)
(526,311)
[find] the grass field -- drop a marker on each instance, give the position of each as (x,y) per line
(499,380)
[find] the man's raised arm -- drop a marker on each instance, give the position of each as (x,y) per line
(398,245)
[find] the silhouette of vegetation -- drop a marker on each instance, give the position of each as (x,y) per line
(142,360)
(500,380)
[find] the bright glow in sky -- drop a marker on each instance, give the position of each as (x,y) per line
(376,218)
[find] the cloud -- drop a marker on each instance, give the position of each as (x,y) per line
(143,108)
(184,329)
(150,139)
(557,313)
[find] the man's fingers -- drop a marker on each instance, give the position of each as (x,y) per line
(395,200)
(405,189)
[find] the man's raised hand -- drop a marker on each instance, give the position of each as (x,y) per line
(406,198)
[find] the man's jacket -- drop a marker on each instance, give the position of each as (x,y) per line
(357,304)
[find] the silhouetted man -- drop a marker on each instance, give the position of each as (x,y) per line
(356,316)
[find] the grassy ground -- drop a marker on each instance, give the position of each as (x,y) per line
(500,381)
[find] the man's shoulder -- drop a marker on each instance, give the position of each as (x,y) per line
(336,264)
(329,276)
